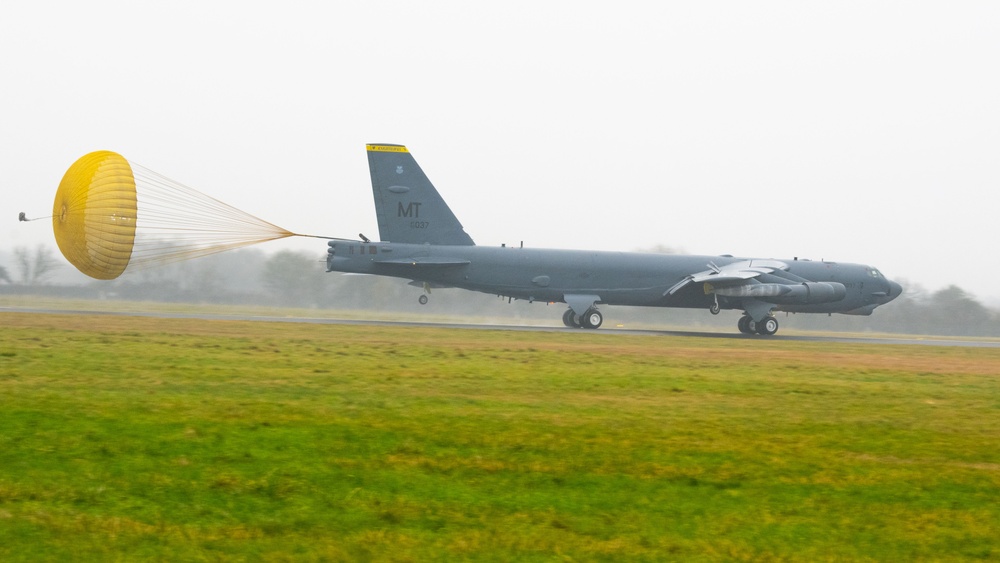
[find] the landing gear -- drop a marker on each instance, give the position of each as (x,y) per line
(570,319)
(427,291)
(766,327)
(715,307)
(591,319)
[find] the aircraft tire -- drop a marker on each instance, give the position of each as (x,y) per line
(422,299)
(768,326)
(592,319)
(570,319)
(744,324)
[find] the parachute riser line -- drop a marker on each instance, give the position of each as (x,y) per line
(317,236)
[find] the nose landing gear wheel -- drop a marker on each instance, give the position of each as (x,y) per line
(422,299)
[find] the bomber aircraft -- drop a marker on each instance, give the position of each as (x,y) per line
(424,242)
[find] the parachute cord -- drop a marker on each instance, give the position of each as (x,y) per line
(22,217)
(317,236)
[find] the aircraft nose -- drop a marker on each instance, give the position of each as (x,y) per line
(895,290)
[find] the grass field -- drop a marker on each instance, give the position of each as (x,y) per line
(129,438)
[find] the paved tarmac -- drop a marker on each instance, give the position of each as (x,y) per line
(848,339)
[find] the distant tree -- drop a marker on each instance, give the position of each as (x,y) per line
(294,278)
(228,277)
(907,313)
(203,280)
(4,276)
(35,269)
(953,311)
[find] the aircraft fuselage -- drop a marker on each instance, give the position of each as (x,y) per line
(617,278)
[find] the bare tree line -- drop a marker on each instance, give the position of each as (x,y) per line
(33,268)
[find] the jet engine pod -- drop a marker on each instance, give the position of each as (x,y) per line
(814,292)
(802,293)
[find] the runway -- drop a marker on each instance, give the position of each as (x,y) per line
(908,340)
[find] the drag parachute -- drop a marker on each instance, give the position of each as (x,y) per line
(111,215)
(94,214)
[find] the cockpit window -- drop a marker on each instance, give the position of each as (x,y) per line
(874,273)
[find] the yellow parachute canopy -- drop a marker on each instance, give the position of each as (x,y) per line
(111,215)
(94,214)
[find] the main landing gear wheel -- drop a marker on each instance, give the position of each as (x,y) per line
(570,319)
(768,326)
(592,319)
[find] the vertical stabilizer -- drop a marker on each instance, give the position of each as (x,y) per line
(408,208)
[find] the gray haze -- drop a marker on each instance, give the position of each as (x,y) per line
(855,131)
(251,277)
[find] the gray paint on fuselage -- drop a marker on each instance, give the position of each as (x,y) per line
(619,278)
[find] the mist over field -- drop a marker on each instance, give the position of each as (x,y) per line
(292,278)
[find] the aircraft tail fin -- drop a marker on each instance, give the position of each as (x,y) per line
(409,208)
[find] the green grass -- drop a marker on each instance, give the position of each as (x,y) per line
(157,439)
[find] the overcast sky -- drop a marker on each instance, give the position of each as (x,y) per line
(852,131)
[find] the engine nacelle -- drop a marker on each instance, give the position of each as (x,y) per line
(805,293)
(815,292)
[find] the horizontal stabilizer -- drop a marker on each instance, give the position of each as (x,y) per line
(429,285)
(425,261)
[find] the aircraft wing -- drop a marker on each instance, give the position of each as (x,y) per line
(730,274)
